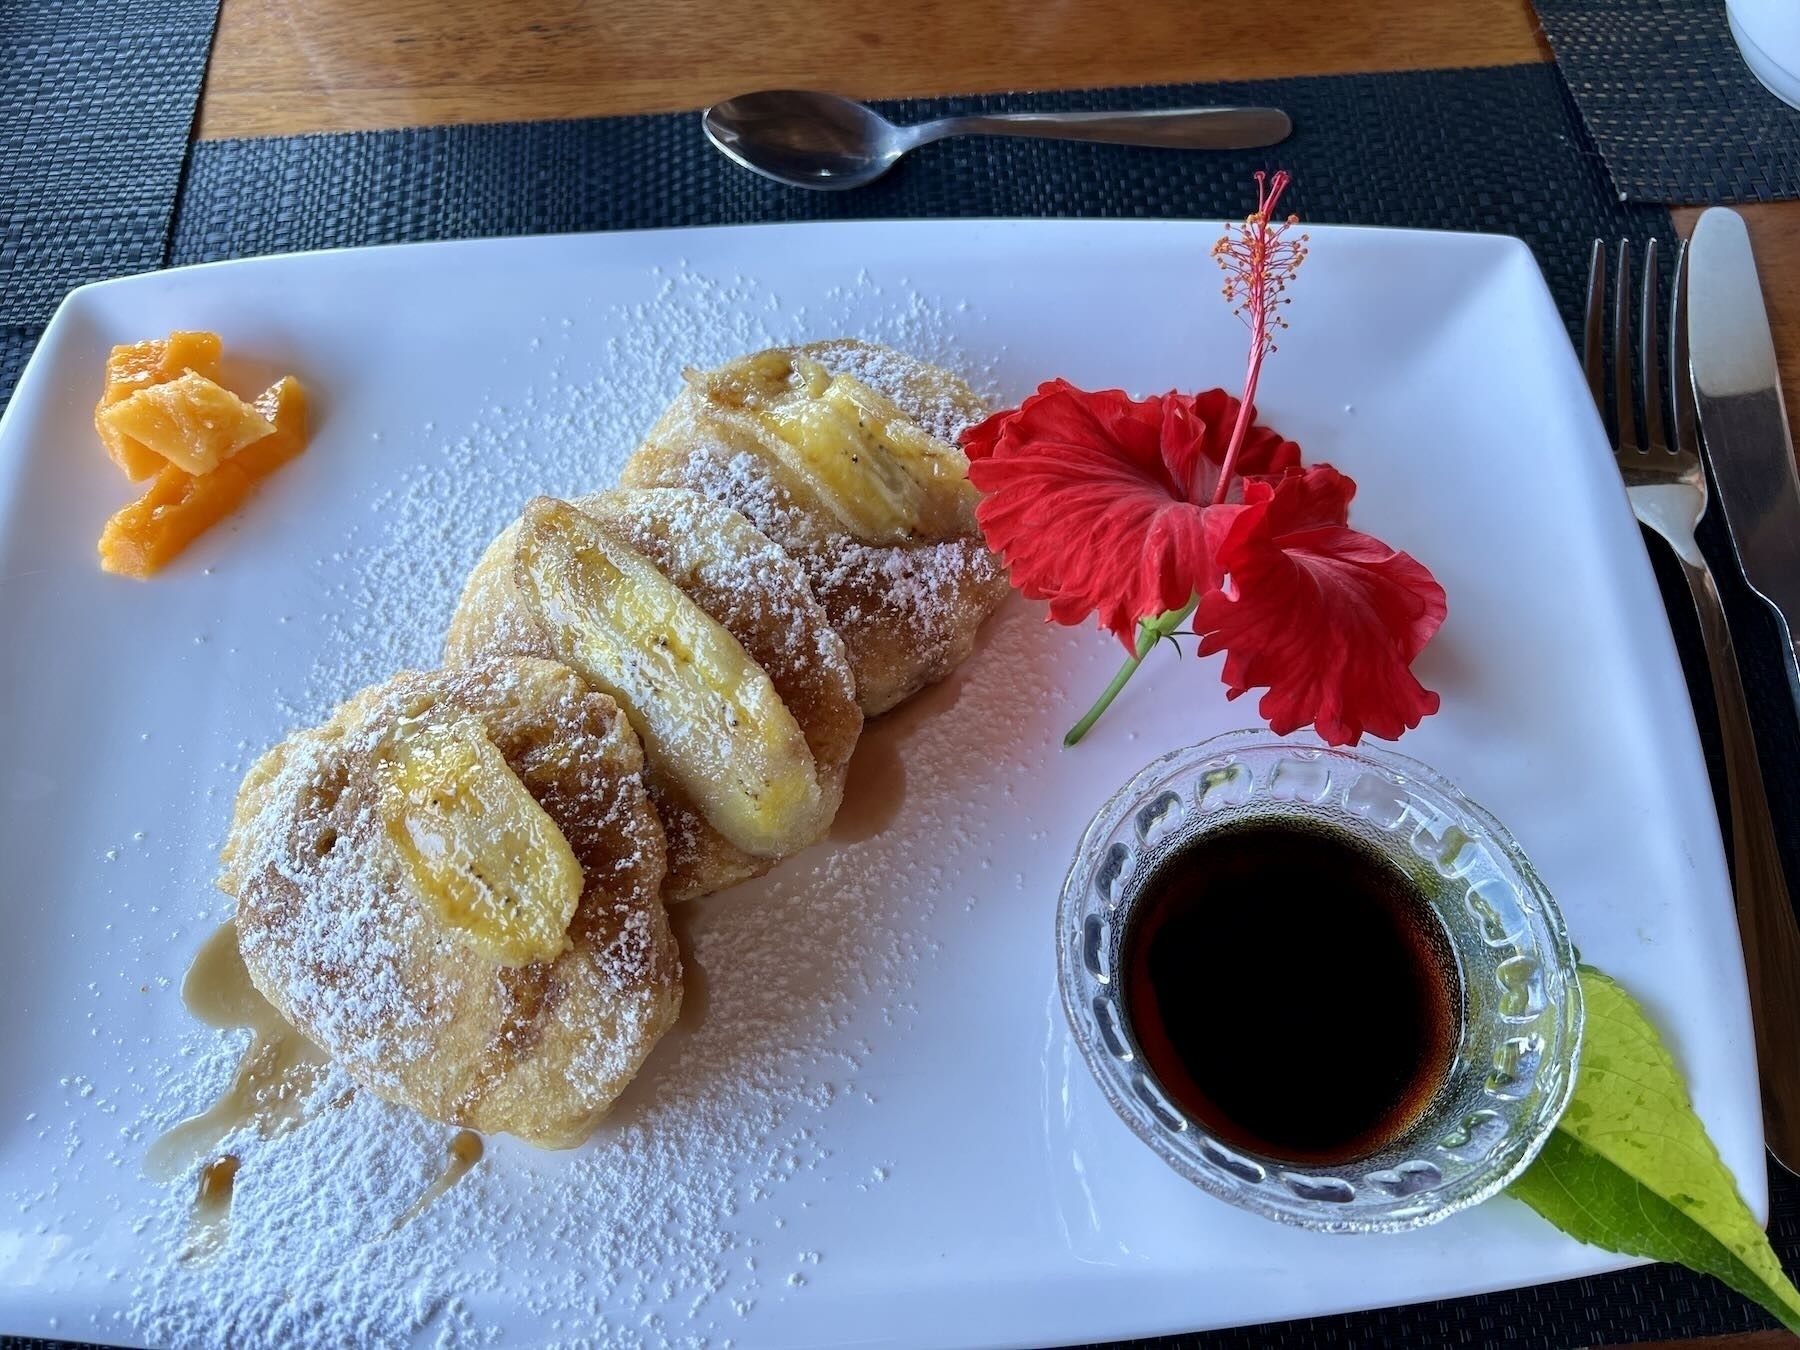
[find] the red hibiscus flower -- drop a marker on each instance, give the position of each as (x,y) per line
(1103,504)
(1142,511)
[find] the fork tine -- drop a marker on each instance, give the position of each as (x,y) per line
(1627,419)
(1681,383)
(1593,345)
(1650,353)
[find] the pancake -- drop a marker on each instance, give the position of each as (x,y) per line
(876,508)
(435,970)
(736,682)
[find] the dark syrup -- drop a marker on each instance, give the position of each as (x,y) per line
(1291,990)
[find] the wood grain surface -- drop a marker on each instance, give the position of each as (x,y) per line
(1748,1340)
(285,66)
(281,67)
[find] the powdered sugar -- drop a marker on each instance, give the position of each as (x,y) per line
(603,383)
(1010,1205)
(666,1226)
(883,371)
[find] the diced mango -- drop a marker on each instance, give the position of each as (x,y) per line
(135,459)
(190,421)
(138,365)
(138,461)
(177,509)
(164,416)
(284,405)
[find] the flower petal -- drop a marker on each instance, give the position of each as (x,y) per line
(1101,504)
(1196,439)
(1326,618)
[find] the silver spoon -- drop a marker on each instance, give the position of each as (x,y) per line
(812,140)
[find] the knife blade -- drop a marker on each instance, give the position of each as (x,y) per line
(1765,906)
(1743,421)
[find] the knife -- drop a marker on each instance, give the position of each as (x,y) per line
(1743,426)
(1742,419)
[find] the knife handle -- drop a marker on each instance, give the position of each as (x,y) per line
(1771,939)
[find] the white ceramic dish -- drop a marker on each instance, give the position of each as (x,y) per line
(1767,33)
(880,1131)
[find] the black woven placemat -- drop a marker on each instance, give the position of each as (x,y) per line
(97,104)
(16,343)
(1670,104)
(1501,150)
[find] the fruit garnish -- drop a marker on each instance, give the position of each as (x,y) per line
(179,506)
(1143,512)
(283,404)
(137,366)
(886,479)
(164,415)
(705,710)
(192,422)
(474,844)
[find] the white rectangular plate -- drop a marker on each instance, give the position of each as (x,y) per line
(879,1131)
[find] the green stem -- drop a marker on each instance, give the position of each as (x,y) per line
(1150,632)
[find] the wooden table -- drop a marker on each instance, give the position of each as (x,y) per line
(285,66)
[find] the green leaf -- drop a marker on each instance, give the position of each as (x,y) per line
(1631,1168)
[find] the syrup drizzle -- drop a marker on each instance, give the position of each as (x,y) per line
(465,1152)
(875,786)
(274,1079)
(212,1209)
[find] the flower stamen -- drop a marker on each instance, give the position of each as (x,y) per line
(1259,259)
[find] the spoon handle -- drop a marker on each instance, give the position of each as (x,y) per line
(1170,128)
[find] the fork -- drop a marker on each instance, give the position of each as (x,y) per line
(1665,481)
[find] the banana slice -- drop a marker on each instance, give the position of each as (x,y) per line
(885,478)
(887,535)
(704,709)
(474,844)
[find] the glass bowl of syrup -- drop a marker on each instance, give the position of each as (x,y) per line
(1322,984)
